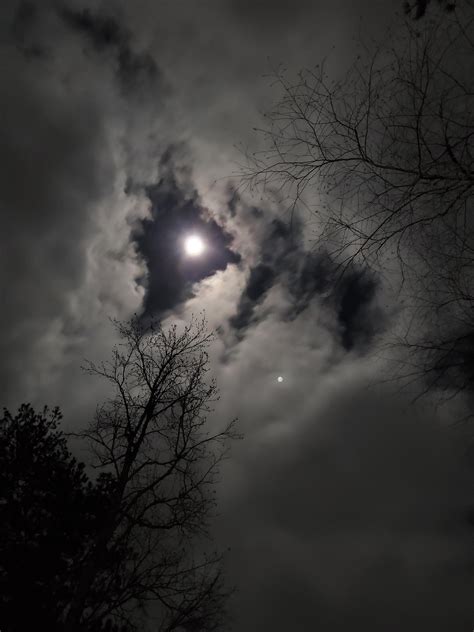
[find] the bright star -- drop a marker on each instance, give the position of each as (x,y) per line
(194,245)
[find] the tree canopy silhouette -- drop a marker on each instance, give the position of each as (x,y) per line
(129,549)
(152,438)
(50,513)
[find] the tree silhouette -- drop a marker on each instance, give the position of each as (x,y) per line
(49,515)
(152,439)
(129,548)
(383,156)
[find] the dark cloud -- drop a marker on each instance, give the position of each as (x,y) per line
(24,19)
(272,15)
(105,33)
(358,515)
(45,201)
(260,280)
(176,212)
(64,164)
(307,276)
(274,249)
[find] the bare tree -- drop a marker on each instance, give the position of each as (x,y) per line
(152,441)
(384,157)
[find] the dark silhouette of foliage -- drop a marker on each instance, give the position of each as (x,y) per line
(49,514)
(152,438)
(127,549)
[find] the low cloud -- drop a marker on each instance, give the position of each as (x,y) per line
(357,510)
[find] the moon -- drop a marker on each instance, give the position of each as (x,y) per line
(194,246)
(280,378)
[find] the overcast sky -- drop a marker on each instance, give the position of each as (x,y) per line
(345,506)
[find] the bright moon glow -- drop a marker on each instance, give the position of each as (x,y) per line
(280,378)
(194,245)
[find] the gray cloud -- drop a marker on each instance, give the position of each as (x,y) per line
(307,275)
(105,33)
(356,514)
(67,259)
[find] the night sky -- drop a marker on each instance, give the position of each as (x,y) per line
(346,506)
